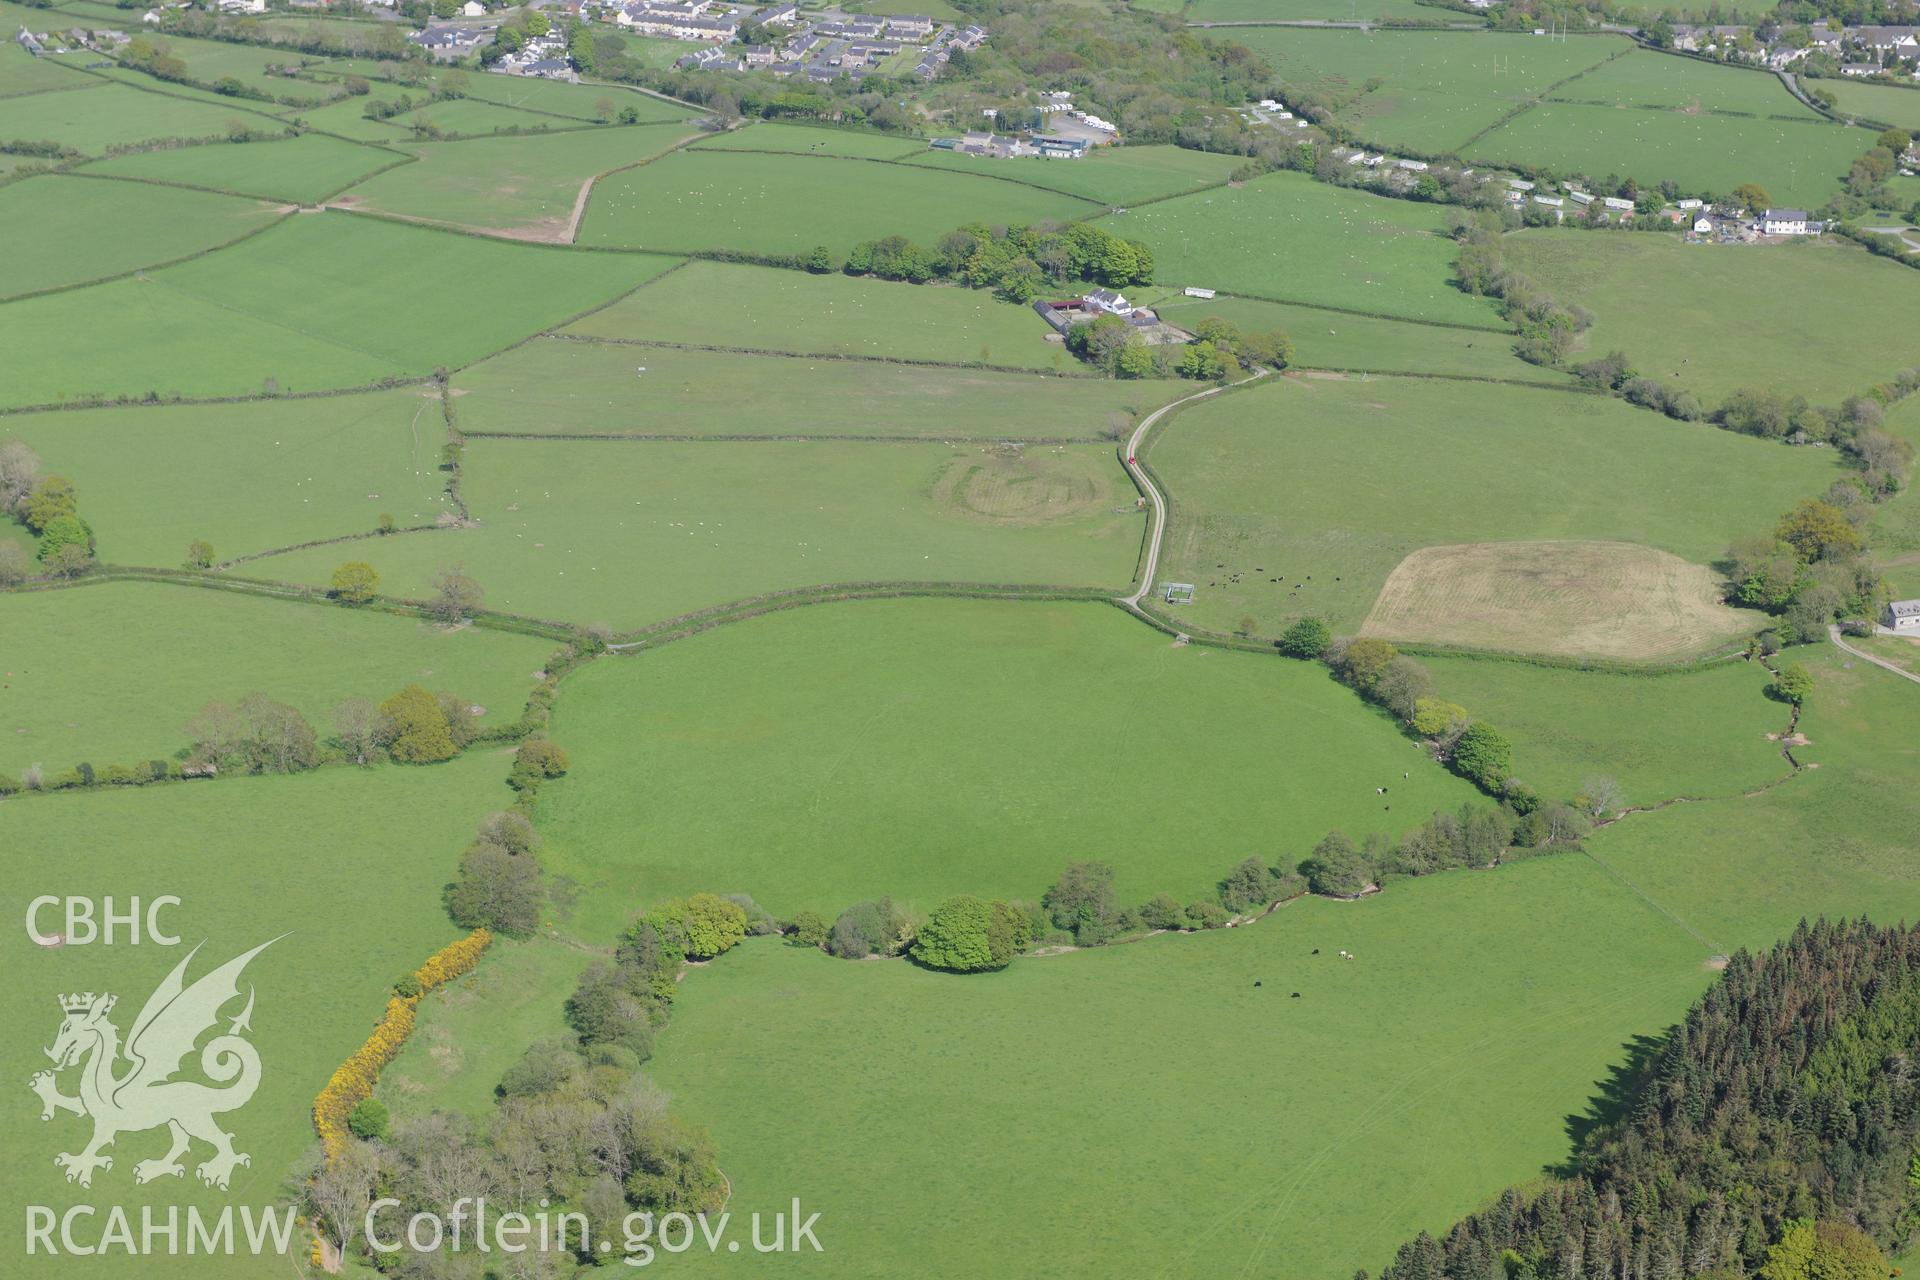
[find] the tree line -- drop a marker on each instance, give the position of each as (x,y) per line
(1772,1133)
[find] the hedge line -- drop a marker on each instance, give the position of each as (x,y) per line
(353,1081)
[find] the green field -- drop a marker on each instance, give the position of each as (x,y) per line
(1435,90)
(580,101)
(306,169)
(729,305)
(85,230)
(306,321)
(1816,291)
(208,61)
(1152,1102)
(1837,840)
(790,203)
(1896,526)
(559,387)
(117,115)
(1332,341)
(1111,175)
(109,702)
(816,141)
(1647,79)
(454,116)
(1297,11)
(251,858)
(246,477)
(1292,239)
(1340,480)
(22,73)
(920,748)
(527,185)
(478,1026)
(1698,734)
(1798,163)
(629,533)
(1886,104)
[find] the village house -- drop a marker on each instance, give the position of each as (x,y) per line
(471,9)
(756,55)
(448,43)
(909,26)
(1902,616)
(1785,222)
(780,15)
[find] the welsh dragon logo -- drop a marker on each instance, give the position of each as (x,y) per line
(144,1094)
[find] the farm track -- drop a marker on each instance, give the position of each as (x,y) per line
(1151,561)
(1833,633)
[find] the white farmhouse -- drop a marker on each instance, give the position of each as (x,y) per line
(1784,222)
(1903,616)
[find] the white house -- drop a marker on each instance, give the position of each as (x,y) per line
(1114,304)
(1903,616)
(1703,225)
(243,6)
(473,9)
(1784,222)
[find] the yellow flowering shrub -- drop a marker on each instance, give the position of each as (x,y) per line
(354,1080)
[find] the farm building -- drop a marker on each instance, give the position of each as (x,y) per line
(1903,616)
(1062,148)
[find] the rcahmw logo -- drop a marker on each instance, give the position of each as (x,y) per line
(128,1086)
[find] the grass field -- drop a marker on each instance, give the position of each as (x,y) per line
(304,170)
(580,101)
(1798,163)
(22,73)
(1296,11)
(525,186)
(1702,734)
(1434,90)
(246,477)
(627,533)
(1647,79)
(478,1026)
(1896,525)
(1838,840)
(790,203)
(208,61)
(1332,341)
(816,141)
(447,300)
(1879,102)
(1340,480)
(729,305)
(1152,1101)
(558,387)
(248,861)
(1111,175)
(457,116)
(83,230)
(1902,651)
(116,115)
(1813,290)
(109,702)
(1290,238)
(920,748)
(1571,599)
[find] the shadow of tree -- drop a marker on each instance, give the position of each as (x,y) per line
(1620,1091)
